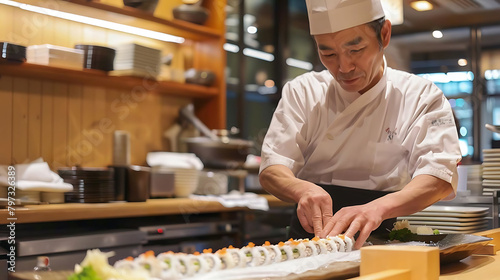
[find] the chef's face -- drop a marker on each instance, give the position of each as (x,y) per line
(354,56)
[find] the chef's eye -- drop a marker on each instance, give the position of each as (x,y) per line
(357,50)
(329,55)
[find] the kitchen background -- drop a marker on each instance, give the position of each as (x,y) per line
(68,121)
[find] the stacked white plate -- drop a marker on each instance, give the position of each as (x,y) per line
(55,56)
(136,60)
(451,219)
(491,171)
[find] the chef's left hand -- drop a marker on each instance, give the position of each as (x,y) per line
(350,220)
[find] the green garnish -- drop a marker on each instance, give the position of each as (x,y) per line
(88,273)
(436,231)
(403,235)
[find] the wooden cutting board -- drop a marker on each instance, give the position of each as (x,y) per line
(42,275)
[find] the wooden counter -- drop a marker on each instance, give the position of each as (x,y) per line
(152,207)
(473,267)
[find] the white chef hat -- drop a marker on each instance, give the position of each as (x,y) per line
(329,16)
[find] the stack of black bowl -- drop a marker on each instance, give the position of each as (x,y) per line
(97,57)
(12,52)
(90,185)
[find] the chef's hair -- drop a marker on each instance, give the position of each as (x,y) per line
(377,25)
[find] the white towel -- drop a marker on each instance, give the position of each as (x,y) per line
(35,176)
(174,160)
(236,199)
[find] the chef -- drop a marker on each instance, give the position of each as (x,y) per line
(358,144)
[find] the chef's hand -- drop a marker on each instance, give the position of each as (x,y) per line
(350,220)
(314,209)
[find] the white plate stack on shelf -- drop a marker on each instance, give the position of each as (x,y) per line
(136,60)
(491,171)
(56,56)
(451,219)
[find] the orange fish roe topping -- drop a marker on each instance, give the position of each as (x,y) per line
(295,242)
(222,251)
(281,244)
(315,238)
(231,247)
(149,254)
(251,244)
(341,236)
(129,258)
(267,243)
(196,253)
(291,240)
(207,251)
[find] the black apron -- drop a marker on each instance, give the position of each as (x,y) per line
(342,197)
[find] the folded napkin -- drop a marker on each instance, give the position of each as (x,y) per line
(35,176)
(236,199)
(174,160)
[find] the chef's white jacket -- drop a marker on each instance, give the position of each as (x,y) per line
(380,140)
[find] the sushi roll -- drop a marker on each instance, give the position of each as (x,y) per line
(348,242)
(320,245)
(255,255)
(148,262)
(231,257)
(171,266)
(339,243)
(127,264)
(213,261)
(273,252)
(194,264)
(310,248)
(286,251)
(298,248)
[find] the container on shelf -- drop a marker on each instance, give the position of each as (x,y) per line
(56,56)
(97,57)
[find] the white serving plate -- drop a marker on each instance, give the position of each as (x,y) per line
(446,219)
(454,224)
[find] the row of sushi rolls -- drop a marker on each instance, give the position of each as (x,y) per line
(170,265)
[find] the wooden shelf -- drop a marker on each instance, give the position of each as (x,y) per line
(181,26)
(101,78)
(152,207)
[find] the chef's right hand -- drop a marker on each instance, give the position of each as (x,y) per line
(314,209)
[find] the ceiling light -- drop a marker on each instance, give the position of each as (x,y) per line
(437,34)
(97,22)
(299,63)
(258,54)
(421,6)
(462,62)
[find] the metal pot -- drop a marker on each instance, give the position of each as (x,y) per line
(217,154)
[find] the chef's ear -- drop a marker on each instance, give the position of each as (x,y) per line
(385,33)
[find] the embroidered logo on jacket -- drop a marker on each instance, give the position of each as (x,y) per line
(390,133)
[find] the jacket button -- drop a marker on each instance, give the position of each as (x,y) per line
(329,136)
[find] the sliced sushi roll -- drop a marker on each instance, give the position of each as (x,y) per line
(273,252)
(149,263)
(286,251)
(127,264)
(320,245)
(238,256)
(213,261)
(171,266)
(298,248)
(255,255)
(348,242)
(310,248)
(194,264)
(340,244)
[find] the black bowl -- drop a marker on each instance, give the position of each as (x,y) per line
(191,13)
(97,57)
(143,5)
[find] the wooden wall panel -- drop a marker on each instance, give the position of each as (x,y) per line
(20,120)
(6,99)
(103,147)
(34,119)
(47,123)
(60,125)
(85,150)
(74,123)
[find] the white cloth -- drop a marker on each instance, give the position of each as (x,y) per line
(35,176)
(235,199)
(329,16)
(380,140)
(174,160)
